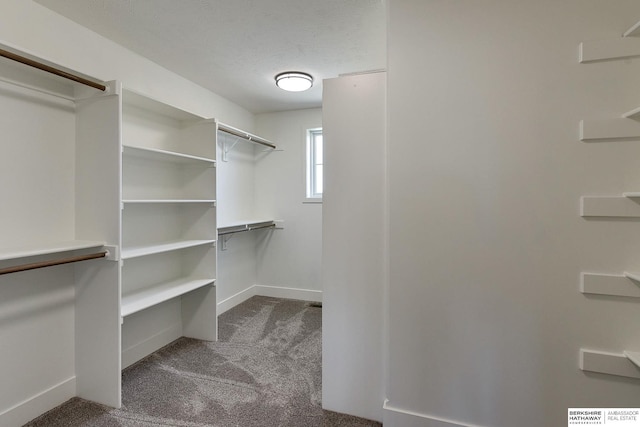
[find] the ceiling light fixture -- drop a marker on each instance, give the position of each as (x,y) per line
(294,81)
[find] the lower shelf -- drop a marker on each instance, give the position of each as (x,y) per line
(148,297)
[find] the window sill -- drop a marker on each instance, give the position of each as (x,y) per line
(312,200)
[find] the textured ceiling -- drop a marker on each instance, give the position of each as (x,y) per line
(236,47)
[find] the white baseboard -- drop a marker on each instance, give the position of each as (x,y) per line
(396,417)
(269,291)
(289,293)
(37,405)
(236,299)
(149,345)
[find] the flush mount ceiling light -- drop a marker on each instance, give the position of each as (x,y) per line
(294,81)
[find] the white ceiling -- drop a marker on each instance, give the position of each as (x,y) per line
(236,47)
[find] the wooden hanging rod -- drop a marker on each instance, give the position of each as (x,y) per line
(33,266)
(244,135)
(52,70)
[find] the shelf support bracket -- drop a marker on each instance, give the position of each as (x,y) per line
(223,241)
(226,148)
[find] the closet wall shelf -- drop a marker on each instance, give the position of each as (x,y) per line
(240,136)
(139,251)
(627,46)
(611,129)
(625,206)
(166,156)
(626,285)
(624,365)
(154,295)
(240,227)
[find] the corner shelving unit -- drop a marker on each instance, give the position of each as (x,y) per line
(168,226)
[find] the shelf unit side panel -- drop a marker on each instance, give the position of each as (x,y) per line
(98,169)
(97,330)
(97,193)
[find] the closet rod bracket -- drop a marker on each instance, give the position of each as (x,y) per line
(113,253)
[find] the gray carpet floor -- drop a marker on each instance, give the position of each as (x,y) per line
(265,370)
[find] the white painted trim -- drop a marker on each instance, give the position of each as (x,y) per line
(289,293)
(269,291)
(236,299)
(144,348)
(396,417)
(37,405)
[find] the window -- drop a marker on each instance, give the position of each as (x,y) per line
(314,165)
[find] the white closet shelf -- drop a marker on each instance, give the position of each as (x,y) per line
(610,206)
(625,285)
(624,365)
(631,194)
(627,46)
(237,227)
(166,156)
(169,201)
(139,251)
(48,249)
(156,294)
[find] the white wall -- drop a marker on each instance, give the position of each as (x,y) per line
(37,309)
(37,30)
(353,252)
(255,184)
(235,194)
(486,242)
(289,258)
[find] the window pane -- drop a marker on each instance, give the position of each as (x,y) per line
(318,180)
(317,148)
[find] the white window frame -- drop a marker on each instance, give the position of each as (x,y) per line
(310,195)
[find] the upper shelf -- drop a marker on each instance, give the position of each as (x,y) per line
(48,248)
(627,46)
(166,156)
(26,70)
(245,135)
